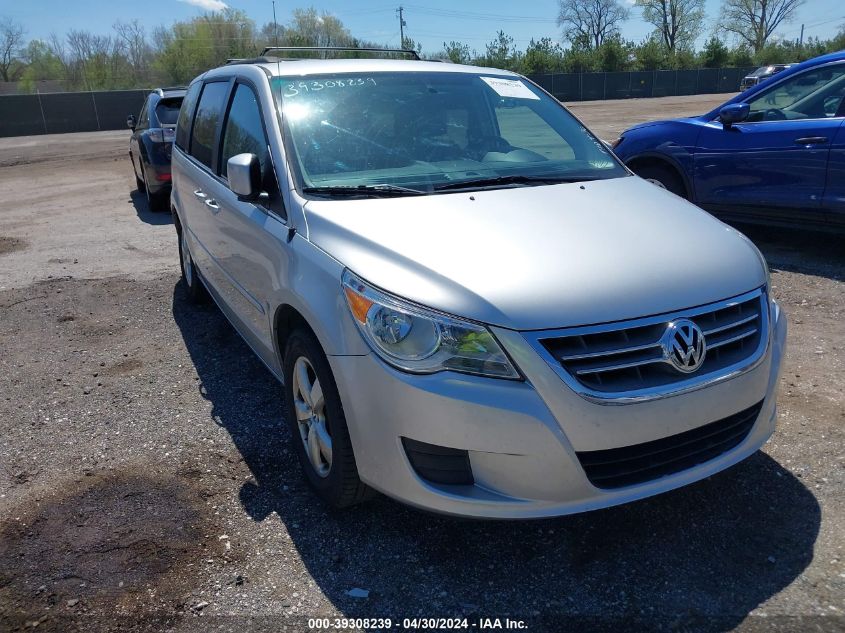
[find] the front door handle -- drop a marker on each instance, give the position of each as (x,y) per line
(199,193)
(811,140)
(211,203)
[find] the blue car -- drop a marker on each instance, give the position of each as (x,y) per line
(774,154)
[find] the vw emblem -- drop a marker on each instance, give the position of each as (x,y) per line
(684,345)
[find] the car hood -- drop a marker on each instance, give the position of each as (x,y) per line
(541,257)
(642,126)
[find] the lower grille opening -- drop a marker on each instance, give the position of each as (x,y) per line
(629,465)
(439,464)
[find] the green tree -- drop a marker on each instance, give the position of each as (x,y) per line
(189,48)
(741,56)
(715,54)
(11,43)
(40,63)
(542,56)
(579,60)
(651,54)
(614,55)
(501,53)
(457,52)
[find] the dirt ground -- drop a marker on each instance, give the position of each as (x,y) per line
(146,482)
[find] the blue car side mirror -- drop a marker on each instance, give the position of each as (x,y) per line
(734,113)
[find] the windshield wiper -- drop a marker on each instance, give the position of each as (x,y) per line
(384,190)
(509,180)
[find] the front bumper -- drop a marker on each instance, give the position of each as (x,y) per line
(522,437)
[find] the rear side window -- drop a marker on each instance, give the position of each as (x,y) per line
(209,111)
(144,117)
(167,111)
(183,128)
(244,131)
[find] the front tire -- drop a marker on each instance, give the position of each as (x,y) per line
(318,425)
(663,176)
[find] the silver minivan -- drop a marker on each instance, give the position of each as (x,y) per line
(473,307)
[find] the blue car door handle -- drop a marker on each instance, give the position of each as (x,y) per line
(811,140)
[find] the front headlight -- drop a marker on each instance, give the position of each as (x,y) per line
(418,340)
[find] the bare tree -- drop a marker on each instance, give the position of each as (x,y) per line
(135,44)
(589,23)
(753,21)
(11,41)
(676,22)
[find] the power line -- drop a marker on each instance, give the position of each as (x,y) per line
(488,17)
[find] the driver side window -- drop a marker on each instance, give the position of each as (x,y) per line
(815,94)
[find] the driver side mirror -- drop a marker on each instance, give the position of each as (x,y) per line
(244,174)
(131,122)
(734,113)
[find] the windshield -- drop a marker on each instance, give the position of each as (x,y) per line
(760,72)
(423,132)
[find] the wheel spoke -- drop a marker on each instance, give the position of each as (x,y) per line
(304,383)
(323,439)
(313,445)
(316,397)
(303,411)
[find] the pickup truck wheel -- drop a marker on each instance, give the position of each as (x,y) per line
(190,279)
(664,177)
(317,424)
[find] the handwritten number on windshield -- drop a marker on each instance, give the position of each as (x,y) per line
(293,89)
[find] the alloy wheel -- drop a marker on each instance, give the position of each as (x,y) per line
(310,406)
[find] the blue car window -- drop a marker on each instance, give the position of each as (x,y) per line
(814,94)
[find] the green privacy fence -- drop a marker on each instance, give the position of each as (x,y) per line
(60,112)
(646,83)
(56,113)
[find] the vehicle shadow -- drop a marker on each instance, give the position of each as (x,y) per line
(138,199)
(700,558)
(796,250)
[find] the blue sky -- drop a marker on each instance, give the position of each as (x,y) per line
(430,22)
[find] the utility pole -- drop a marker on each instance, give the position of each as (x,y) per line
(801,41)
(402,25)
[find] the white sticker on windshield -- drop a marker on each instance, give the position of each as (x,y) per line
(509,88)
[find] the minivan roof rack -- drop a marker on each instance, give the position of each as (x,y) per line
(400,51)
(250,60)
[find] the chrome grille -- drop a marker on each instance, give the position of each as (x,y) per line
(627,360)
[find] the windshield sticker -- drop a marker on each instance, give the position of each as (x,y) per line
(509,88)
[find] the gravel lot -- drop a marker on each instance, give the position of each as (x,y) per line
(147,484)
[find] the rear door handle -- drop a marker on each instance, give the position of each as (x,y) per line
(212,204)
(811,140)
(199,193)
